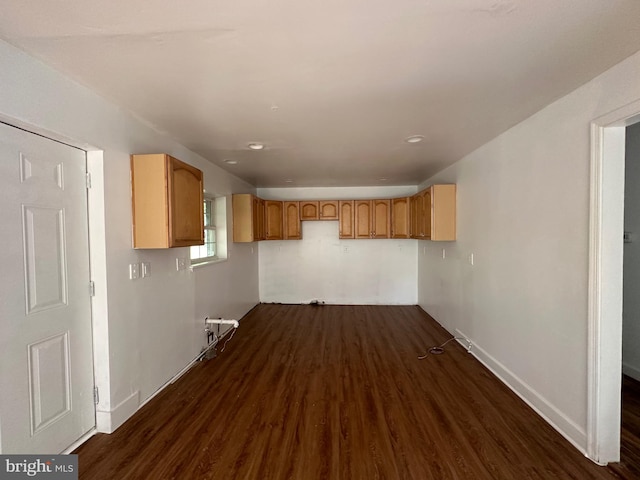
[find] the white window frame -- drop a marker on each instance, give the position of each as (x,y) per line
(212,226)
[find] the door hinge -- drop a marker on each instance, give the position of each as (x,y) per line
(92,288)
(88,180)
(96,395)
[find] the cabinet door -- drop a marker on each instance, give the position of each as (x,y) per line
(259,231)
(414,216)
(363,226)
(346,218)
(292,221)
(381,218)
(401,217)
(273,215)
(428,211)
(329,210)
(422,209)
(443,212)
(186,203)
(243,217)
(309,210)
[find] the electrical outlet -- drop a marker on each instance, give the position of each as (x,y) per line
(146,269)
(471,259)
(444,254)
(345,249)
(134,271)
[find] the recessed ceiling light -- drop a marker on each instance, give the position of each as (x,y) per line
(230,161)
(256,146)
(414,139)
(383,179)
(288,180)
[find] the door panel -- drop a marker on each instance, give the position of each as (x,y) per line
(46,362)
(364,228)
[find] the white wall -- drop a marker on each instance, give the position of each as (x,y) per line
(631,307)
(523,211)
(322,266)
(145,330)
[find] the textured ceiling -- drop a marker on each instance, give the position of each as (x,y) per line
(334,87)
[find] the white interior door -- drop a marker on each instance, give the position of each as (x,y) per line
(46,365)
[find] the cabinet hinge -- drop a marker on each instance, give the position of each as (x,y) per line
(88,180)
(96,395)
(92,288)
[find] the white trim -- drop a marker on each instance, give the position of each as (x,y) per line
(594,313)
(606,224)
(208,262)
(554,417)
(109,421)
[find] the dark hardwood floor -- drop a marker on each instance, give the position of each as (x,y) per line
(336,392)
(630,434)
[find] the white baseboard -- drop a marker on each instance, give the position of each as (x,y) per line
(631,371)
(109,421)
(576,435)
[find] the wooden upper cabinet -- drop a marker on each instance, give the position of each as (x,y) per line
(401,217)
(309,210)
(443,212)
(248,218)
(291,217)
(372,218)
(433,214)
(329,210)
(273,219)
(167,202)
(345,208)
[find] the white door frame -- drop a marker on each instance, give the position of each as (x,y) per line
(606,227)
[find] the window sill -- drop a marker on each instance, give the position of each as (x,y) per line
(208,262)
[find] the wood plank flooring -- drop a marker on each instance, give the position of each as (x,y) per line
(336,392)
(629,465)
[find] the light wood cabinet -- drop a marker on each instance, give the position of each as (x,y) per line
(443,213)
(433,214)
(248,218)
(319,210)
(372,218)
(309,210)
(401,217)
(427,215)
(345,208)
(273,219)
(329,210)
(167,202)
(291,218)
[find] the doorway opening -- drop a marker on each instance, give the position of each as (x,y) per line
(606,254)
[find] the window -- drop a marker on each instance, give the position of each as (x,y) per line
(214,212)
